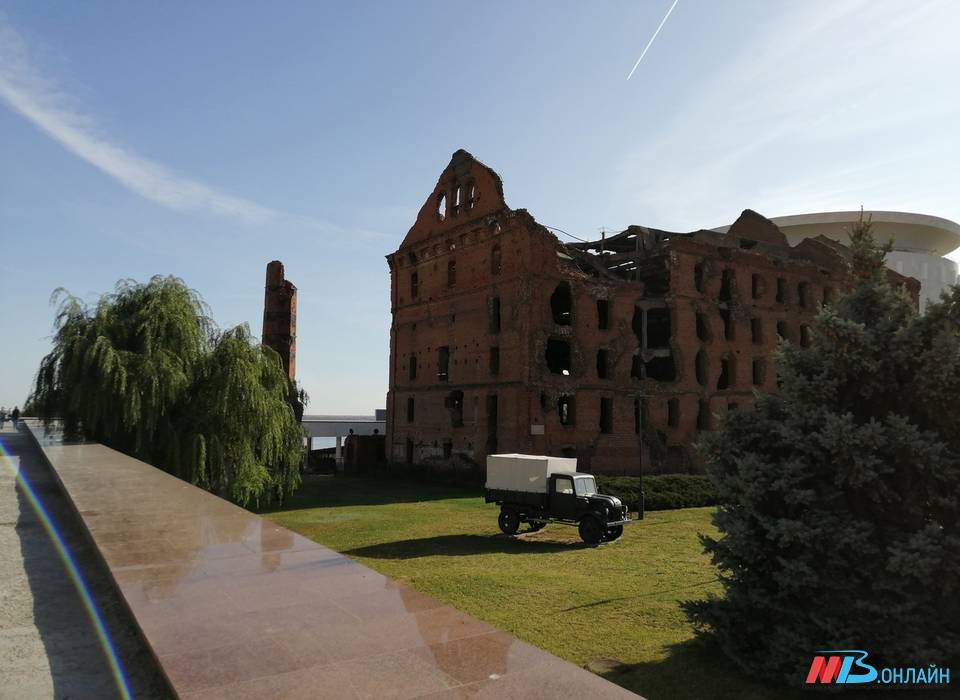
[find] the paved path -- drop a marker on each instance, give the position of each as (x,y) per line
(234,606)
(48,646)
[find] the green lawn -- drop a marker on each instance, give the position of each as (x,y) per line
(614,606)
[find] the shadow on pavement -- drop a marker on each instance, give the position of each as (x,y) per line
(78,665)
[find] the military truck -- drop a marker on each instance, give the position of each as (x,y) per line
(538,490)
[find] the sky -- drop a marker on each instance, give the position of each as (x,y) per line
(204,140)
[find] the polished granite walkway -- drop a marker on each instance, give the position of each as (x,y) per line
(49,647)
(234,606)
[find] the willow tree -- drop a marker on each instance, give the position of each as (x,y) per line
(144,370)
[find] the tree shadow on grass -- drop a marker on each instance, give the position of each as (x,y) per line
(691,670)
(698,669)
(328,491)
(461,546)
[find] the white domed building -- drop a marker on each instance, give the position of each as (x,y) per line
(920,242)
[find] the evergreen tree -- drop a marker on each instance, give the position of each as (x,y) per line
(842,493)
(145,371)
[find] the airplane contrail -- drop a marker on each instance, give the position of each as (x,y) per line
(649,43)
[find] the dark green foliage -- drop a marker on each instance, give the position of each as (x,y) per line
(840,523)
(146,372)
(662,491)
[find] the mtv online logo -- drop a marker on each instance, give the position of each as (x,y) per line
(837,668)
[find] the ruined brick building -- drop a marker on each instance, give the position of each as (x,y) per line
(618,352)
(280,325)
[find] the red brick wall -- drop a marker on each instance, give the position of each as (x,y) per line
(533,264)
(280,317)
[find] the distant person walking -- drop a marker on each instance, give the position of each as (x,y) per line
(15,416)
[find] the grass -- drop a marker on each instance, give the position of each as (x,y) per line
(613,608)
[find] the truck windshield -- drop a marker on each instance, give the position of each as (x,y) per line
(585,485)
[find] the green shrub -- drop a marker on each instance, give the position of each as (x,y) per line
(840,527)
(662,491)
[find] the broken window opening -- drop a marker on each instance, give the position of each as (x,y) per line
(661,369)
(471,195)
(727,282)
(747,243)
(805,336)
(728,324)
(782,330)
(601,364)
(496,260)
(673,413)
(732,406)
(803,294)
(457,193)
(827,295)
(410,412)
(447,449)
(759,371)
(451,273)
(702,368)
(603,314)
(698,276)
(703,328)
(543,401)
(781,290)
(756,330)
(414,285)
(606,415)
(492,421)
(565,409)
(637,325)
(757,286)
(443,363)
(454,403)
(558,356)
(442,206)
(561,305)
(703,415)
(495,315)
(636,368)
(495,360)
(413,367)
(727,373)
(658,328)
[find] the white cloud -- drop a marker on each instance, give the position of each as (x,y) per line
(42,102)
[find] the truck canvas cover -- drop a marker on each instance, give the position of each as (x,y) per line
(513,472)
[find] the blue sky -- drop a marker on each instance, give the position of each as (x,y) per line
(206,139)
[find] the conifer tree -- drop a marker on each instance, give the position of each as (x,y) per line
(145,371)
(841,523)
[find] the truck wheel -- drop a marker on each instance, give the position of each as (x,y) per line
(613,533)
(591,531)
(509,522)
(536,527)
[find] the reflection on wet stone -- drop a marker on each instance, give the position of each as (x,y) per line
(234,606)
